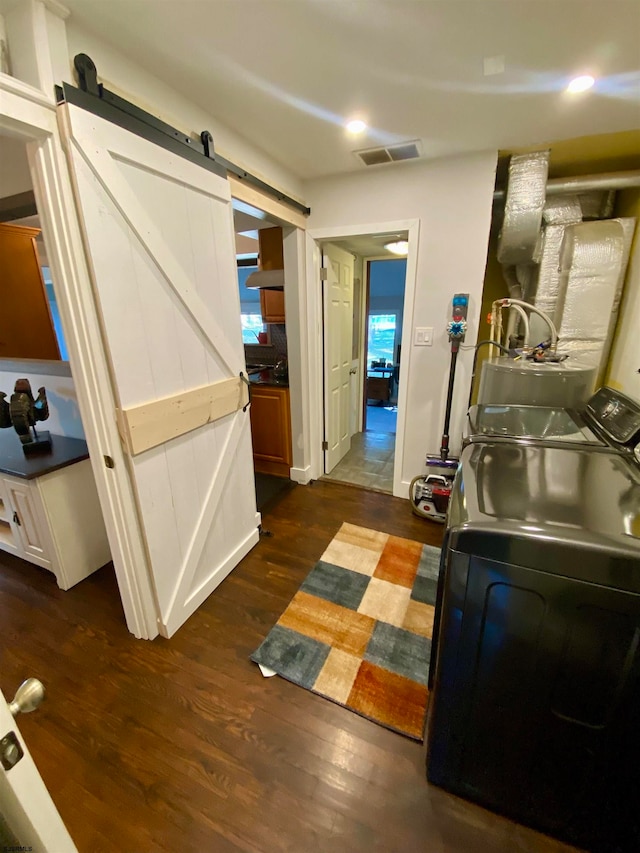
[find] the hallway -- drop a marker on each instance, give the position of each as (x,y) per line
(369,463)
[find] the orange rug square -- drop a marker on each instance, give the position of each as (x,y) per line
(393,700)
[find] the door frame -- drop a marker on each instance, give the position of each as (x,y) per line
(314,239)
(293,238)
(29,115)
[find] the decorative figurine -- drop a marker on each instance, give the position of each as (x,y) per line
(22,412)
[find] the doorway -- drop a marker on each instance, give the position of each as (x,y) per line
(385,280)
(259,243)
(362,336)
(47,486)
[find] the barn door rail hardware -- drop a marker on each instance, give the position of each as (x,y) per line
(243,175)
(95,98)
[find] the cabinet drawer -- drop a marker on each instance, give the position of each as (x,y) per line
(28,523)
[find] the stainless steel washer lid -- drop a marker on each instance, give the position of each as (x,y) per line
(528,423)
(571,512)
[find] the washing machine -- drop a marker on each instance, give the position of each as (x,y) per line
(609,421)
(534,709)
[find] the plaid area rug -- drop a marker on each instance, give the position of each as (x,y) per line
(358,630)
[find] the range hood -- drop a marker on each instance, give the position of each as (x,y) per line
(271,260)
(266,278)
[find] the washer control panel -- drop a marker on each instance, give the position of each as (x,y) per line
(616,414)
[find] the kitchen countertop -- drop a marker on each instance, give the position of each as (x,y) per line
(266,377)
(64,451)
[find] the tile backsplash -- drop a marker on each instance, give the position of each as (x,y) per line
(268,353)
(279,337)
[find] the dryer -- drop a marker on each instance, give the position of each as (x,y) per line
(535,670)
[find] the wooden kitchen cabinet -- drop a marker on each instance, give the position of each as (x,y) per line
(271,258)
(271,429)
(26,327)
(272,305)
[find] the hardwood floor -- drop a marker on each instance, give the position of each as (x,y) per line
(181,745)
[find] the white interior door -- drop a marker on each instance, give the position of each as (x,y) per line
(31,819)
(338,334)
(159,240)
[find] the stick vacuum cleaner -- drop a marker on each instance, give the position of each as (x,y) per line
(430,492)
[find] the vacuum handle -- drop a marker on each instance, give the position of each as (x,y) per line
(444,446)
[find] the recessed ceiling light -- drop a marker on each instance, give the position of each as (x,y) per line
(399,247)
(580,84)
(356,126)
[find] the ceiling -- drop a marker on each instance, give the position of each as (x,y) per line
(286,73)
(371,245)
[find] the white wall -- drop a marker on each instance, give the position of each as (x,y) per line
(14,167)
(452,198)
(128,79)
(64,415)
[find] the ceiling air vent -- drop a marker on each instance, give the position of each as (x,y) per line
(389,153)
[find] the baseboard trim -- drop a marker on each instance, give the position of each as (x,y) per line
(301,475)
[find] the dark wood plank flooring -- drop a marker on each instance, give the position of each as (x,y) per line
(181,745)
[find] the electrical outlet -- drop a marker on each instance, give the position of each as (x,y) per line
(423,336)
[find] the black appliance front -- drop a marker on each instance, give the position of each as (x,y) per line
(535,710)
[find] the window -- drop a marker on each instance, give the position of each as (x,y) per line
(250,310)
(252,325)
(55,313)
(382,338)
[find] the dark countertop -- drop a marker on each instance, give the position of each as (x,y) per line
(266,377)
(64,451)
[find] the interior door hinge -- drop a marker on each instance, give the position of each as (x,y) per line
(324,274)
(325,445)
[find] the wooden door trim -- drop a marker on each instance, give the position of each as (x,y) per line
(315,238)
(285,215)
(158,421)
(365,338)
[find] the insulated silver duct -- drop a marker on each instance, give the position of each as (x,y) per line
(558,212)
(548,288)
(590,268)
(562,210)
(525,200)
(597,204)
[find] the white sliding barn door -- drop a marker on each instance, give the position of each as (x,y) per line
(338,337)
(159,241)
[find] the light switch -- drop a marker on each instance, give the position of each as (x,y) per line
(423,336)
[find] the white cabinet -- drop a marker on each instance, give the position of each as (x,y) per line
(7,534)
(55,521)
(27,522)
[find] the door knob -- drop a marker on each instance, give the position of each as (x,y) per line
(28,697)
(353,371)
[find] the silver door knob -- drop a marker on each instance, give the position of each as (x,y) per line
(28,697)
